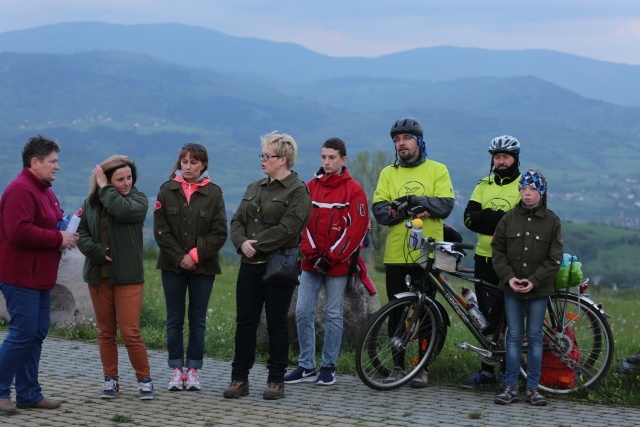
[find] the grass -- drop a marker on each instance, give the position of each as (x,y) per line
(448,368)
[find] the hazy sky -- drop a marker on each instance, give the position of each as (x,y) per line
(606,30)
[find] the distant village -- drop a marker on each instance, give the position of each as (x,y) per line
(623,194)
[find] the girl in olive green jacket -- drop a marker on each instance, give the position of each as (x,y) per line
(190,227)
(111,239)
(527,252)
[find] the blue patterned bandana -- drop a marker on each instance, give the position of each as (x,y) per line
(534,179)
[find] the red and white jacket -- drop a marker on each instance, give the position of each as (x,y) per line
(338,221)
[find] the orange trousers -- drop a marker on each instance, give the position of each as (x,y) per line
(118,306)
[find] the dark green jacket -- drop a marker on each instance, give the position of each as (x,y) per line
(179,226)
(528,245)
(126,219)
(285,206)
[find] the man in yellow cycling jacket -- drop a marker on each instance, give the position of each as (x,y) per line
(493,196)
(412,186)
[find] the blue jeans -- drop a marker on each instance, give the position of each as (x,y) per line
(515,312)
(251,295)
(20,351)
(175,288)
(310,285)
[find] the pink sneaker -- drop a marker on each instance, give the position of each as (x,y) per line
(178,380)
(192,382)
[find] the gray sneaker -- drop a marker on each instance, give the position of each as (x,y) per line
(110,389)
(145,389)
(421,380)
(396,375)
(534,397)
(509,395)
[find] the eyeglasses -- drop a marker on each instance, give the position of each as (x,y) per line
(193,146)
(405,137)
(265,157)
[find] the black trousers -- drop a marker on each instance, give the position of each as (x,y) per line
(490,302)
(252,294)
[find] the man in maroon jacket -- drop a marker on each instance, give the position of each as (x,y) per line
(29,258)
(337,226)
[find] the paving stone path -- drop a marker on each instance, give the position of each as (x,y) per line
(71,372)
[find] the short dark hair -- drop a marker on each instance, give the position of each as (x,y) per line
(336,144)
(38,147)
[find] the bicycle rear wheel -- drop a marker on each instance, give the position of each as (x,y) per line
(403,333)
(581,345)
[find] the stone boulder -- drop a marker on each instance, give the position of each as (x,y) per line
(358,307)
(70,300)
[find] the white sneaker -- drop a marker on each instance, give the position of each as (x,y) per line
(178,379)
(192,382)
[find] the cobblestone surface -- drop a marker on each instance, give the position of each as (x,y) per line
(71,372)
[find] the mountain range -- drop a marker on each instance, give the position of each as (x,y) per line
(144,90)
(291,63)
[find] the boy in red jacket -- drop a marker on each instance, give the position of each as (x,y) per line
(337,226)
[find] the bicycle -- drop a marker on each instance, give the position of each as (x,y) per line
(411,329)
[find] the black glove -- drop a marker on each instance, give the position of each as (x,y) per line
(416,210)
(321,263)
(492,217)
(400,204)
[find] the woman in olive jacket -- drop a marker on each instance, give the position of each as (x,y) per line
(527,252)
(190,227)
(111,239)
(271,215)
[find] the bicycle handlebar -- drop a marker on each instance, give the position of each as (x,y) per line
(455,245)
(463,246)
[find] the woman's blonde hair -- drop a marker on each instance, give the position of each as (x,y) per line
(109,166)
(282,145)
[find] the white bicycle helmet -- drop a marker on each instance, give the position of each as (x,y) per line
(504,144)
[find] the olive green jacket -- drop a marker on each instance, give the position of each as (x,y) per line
(126,219)
(528,245)
(179,226)
(273,213)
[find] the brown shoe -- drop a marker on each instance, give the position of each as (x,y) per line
(43,404)
(236,389)
(273,391)
(7,407)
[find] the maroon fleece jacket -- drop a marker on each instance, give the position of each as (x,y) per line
(29,242)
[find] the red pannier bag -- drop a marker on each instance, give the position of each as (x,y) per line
(558,372)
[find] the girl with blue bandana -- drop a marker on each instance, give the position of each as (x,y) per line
(527,253)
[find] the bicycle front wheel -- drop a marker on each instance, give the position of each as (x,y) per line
(404,333)
(578,347)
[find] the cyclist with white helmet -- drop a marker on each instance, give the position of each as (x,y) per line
(413,185)
(493,196)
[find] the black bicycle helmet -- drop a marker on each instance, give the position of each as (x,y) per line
(504,144)
(407,125)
